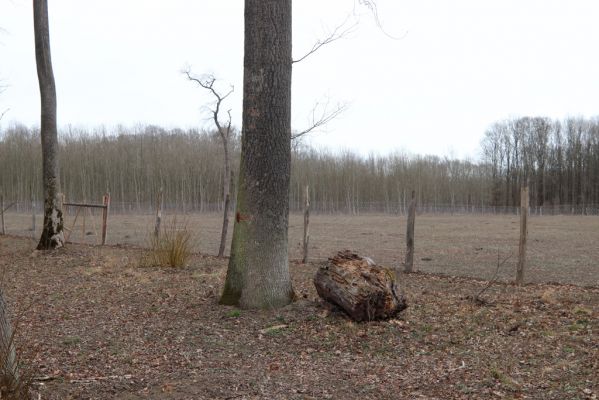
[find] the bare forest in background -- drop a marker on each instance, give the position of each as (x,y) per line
(559,159)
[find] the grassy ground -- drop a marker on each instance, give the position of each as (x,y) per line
(96,325)
(560,248)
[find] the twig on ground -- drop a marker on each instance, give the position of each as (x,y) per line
(477,297)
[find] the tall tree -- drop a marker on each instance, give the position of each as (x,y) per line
(52,232)
(258,274)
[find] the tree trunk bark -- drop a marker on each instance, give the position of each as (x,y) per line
(9,374)
(227,177)
(306,241)
(258,274)
(223,235)
(52,230)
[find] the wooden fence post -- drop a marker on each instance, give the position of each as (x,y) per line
(409,264)
(106,203)
(306,224)
(32,217)
(158,213)
(2,213)
(523,235)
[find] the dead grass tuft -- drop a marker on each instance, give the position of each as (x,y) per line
(171,248)
(549,297)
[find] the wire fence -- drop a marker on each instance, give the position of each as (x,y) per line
(465,241)
(376,207)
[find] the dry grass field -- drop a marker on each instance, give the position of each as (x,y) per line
(561,249)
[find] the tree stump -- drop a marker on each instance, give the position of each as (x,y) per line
(364,290)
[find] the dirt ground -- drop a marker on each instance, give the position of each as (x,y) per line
(93,324)
(561,249)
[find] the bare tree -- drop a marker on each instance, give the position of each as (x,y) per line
(258,273)
(224,131)
(52,233)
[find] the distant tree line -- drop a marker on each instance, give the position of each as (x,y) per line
(559,159)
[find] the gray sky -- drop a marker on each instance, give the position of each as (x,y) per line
(458,66)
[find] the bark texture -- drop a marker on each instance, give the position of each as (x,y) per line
(227,178)
(258,273)
(52,231)
(364,290)
(9,374)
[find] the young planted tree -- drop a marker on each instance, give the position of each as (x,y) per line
(52,232)
(224,132)
(258,273)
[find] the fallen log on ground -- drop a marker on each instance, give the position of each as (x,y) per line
(364,290)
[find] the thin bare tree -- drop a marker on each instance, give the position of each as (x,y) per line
(52,232)
(224,131)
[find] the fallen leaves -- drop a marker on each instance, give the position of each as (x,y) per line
(101,329)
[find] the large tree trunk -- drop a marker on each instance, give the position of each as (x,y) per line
(9,373)
(258,273)
(52,233)
(364,290)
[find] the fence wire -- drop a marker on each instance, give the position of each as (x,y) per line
(462,240)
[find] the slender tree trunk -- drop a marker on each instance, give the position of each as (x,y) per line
(258,274)
(524,202)
(158,221)
(227,207)
(227,177)
(306,225)
(52,232)
(409,263)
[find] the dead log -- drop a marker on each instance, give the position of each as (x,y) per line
(364,290)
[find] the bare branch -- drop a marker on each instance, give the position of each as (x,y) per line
(477,298)
(229,122)
(339,32)
(372,7)
(320,119)
(207,82)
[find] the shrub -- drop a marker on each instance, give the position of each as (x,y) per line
(171,248)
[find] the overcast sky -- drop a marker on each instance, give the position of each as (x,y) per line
(457,66)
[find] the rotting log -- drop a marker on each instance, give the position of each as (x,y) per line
(364,290)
